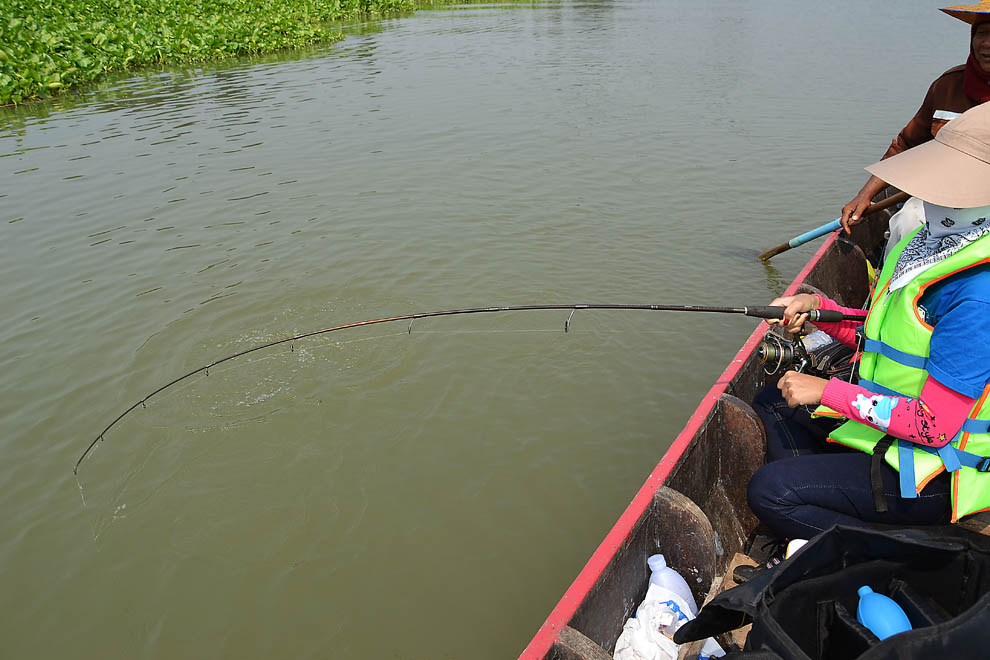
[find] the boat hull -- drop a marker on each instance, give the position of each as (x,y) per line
(692,507)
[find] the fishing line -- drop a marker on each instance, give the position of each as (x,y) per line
(765,312)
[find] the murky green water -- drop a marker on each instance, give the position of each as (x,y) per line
(373,493)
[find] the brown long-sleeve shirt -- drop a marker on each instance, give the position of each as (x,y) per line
(946,93)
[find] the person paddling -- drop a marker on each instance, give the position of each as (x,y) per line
(912,445)
(955,91)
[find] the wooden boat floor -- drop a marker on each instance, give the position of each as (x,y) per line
(734,639)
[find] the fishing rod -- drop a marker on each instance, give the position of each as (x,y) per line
(763,312)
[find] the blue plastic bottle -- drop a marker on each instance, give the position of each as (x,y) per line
(880,614)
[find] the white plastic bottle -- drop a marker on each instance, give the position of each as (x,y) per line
(666,577)
(668,605)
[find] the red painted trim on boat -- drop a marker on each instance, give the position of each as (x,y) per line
(617,536)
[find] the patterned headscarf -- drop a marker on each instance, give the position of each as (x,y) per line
(945,232)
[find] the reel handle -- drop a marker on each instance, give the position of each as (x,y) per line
(825,315)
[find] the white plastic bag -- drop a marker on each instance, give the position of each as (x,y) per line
(647,636)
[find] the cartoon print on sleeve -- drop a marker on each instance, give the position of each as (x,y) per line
(903,417)
(924,425)
(876,409)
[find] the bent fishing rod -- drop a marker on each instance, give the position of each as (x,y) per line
(764,312)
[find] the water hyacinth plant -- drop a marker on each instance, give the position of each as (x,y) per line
(49,45)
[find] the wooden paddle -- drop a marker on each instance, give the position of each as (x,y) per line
(832,226)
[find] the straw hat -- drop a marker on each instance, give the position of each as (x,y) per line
(952,170)
(970,13)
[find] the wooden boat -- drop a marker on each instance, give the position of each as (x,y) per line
(693,505)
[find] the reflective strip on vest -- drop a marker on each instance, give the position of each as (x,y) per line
(905,458)
(960,458)
(891,353)
(880,389)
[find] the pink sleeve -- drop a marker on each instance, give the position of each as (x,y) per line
(932,419)
(844,331)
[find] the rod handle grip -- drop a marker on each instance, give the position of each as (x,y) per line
(824,315)
(765,312)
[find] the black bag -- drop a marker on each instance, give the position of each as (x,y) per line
(805,609)
(833,360)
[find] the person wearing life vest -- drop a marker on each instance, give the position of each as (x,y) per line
(912,445)
(955,91)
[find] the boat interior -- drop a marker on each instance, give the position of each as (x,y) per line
(693,507)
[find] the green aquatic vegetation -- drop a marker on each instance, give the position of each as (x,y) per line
(47,46)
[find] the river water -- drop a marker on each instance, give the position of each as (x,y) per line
(376,492)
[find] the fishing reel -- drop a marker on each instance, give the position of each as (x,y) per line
(778,354)
(816,353)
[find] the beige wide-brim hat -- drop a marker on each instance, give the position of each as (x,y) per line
(952,170)
(969,13)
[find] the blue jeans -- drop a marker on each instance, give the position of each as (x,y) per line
(791,431)
(807,485)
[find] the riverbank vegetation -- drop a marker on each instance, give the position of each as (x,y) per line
(47,46)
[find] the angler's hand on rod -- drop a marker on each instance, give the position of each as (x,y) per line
(796,310)
(801,389)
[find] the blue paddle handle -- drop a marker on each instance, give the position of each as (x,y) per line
(814,233)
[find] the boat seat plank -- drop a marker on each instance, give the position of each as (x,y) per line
(572,645)
(674,526)
(716,470)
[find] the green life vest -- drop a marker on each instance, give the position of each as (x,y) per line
(894,365)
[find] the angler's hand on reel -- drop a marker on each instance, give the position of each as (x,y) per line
(796,310)
(801,389)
